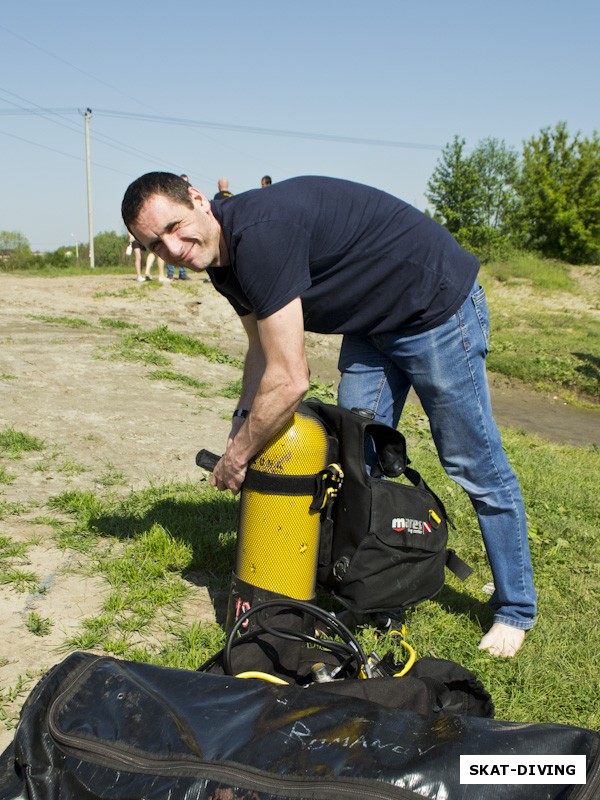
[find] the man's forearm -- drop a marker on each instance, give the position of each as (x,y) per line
(271,408)
(274,404)
(275,380)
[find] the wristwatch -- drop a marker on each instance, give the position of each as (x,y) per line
(240,412)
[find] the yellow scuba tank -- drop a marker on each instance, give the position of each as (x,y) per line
(287,484)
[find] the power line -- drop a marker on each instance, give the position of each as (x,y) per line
(60,152)
(73,66)
(268,131)
(192,123)
(48,114)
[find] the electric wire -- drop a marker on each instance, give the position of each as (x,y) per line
(250,129)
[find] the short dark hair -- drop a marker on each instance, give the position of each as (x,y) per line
(266,180)
(165,183)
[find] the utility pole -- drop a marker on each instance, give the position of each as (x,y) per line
(87,116)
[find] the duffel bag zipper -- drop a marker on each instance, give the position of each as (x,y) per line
(253,779)
(248,778)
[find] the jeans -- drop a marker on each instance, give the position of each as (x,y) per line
(446,368)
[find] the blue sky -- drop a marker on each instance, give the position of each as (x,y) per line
(158,76)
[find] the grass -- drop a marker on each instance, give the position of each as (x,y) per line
(178,377)
(37,625)
(162,338)
(6,476)
(149,347)
(70,322)
(14,443)
(541,273)
(232,389)
(117,323)
(556,349)
(111,476)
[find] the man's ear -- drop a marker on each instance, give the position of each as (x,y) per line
(198,198)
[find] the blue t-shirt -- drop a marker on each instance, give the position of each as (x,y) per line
(361,260)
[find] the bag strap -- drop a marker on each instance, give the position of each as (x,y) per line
(322,486)
(417,480)
(456,565)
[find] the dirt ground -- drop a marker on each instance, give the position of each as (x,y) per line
(96,415)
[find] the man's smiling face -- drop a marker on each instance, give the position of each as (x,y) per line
(181,236)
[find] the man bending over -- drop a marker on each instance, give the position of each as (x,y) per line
(331,256)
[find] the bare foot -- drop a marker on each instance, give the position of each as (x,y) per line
(502,640)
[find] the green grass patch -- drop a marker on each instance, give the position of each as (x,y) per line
(322,391)
(232,389)
(553,350)
(112,476)
(131,349)
(178,377)
(541,273)
(162,338)
(9,508)
(119,324)
(14,443)
(71,468)
(41,267)
(38,625)
(5,476)
(10,550)
(71,322)
(18,579)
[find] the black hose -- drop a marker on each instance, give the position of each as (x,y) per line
(350,644)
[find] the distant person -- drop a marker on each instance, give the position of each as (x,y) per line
(223,192)
(137,248)
(266,180)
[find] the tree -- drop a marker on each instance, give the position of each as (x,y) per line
(15,252)
(109,249)
(474,195)
(559,192)
(13,240)
(497,169)
(451,189)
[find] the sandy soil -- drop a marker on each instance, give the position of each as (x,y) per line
(96,414)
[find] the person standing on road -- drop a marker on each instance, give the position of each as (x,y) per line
(137,248)
(332,256)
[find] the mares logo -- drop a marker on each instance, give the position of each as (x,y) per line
(416,526)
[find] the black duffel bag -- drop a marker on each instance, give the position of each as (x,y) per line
(97,727)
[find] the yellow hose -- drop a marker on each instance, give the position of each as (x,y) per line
(263,676)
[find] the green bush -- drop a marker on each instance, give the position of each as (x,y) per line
(109,249)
